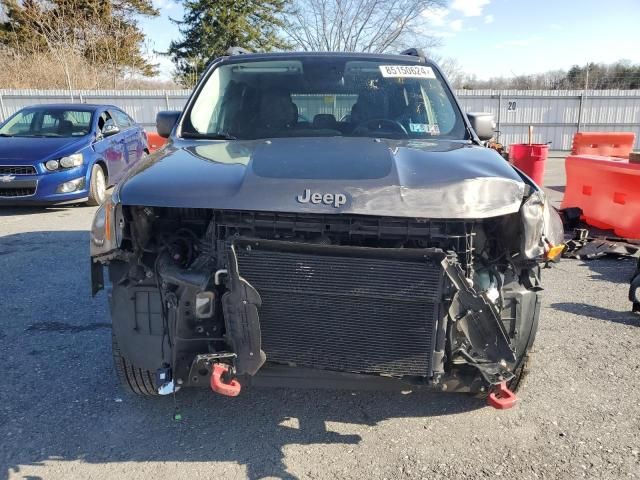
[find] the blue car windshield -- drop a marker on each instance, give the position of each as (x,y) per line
(34,122)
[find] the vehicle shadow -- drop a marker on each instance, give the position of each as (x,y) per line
(9,211)
(13,211)
(62,403)
(601,313)
(612,269)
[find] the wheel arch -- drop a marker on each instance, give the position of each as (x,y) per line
(104,167)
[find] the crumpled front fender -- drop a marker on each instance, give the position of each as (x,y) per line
(541,226)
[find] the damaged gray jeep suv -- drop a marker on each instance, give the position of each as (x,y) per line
(323,220)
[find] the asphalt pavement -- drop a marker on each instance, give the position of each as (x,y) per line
(63,415)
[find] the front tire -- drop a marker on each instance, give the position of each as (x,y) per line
(97,186)
(132,379)
(521,372)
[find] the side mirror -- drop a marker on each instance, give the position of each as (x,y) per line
(110,128)
(483,124)
(165,121)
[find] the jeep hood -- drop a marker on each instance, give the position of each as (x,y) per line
(410,178)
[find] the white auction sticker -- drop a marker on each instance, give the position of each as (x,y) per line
(406,71)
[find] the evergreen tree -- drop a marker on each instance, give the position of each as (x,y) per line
(210,27)
(104,32)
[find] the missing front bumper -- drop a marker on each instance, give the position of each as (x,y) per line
(349,309)
(358,310)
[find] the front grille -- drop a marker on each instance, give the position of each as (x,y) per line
(355,313)
(17,170)
(343,227)
(17,192)
(355,230)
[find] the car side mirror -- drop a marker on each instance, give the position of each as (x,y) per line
(110,128)
(483,124)
(165,121)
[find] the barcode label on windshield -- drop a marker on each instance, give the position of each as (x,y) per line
(406,71)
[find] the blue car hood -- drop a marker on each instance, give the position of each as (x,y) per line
(344,175)
(29,150)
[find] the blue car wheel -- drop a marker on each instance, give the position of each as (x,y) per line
(97,186)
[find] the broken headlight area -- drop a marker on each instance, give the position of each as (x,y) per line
(106,229)
(450,304)
(543,231)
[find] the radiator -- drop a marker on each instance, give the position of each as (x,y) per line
(352,309)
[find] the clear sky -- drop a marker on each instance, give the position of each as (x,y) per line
(501,37)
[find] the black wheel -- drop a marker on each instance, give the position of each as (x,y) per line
(97,186)
(134,380)
(634,292)
(521,373)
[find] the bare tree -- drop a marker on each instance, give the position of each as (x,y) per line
(450,67)
(359,25)
(84,43)
(61,34)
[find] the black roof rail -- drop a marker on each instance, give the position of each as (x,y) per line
(237,51)
(414,52)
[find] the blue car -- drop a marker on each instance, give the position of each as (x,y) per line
(61,154)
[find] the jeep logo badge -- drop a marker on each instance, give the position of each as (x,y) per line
(334,199)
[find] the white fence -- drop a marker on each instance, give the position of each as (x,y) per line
(142,105)
(555,114)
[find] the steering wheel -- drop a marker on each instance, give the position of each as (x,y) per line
(379,124)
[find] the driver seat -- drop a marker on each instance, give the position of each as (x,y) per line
(368,107)
(276,112)
(65,127)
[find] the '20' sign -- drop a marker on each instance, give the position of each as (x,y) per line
(511,107)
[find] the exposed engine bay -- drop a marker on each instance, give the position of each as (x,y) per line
(205,297)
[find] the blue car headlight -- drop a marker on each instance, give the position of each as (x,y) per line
(52,165)
(69,161)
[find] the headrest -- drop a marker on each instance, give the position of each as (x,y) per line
(277,110)
(325,120)
(368,107)
(65,126)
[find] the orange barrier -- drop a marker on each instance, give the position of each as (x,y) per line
(606,144)
(155,141)
(607,190)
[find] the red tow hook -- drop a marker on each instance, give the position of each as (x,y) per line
(231,389)
(501,397)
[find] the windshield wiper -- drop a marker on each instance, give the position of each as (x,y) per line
(5,135)
(209,136)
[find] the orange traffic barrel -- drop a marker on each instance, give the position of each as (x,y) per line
(530,158)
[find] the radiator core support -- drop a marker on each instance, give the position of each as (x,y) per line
(343,308)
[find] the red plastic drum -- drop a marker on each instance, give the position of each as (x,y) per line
(530,159)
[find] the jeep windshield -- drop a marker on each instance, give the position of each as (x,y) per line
(323,97)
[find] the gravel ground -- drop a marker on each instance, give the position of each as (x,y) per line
(63,415)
